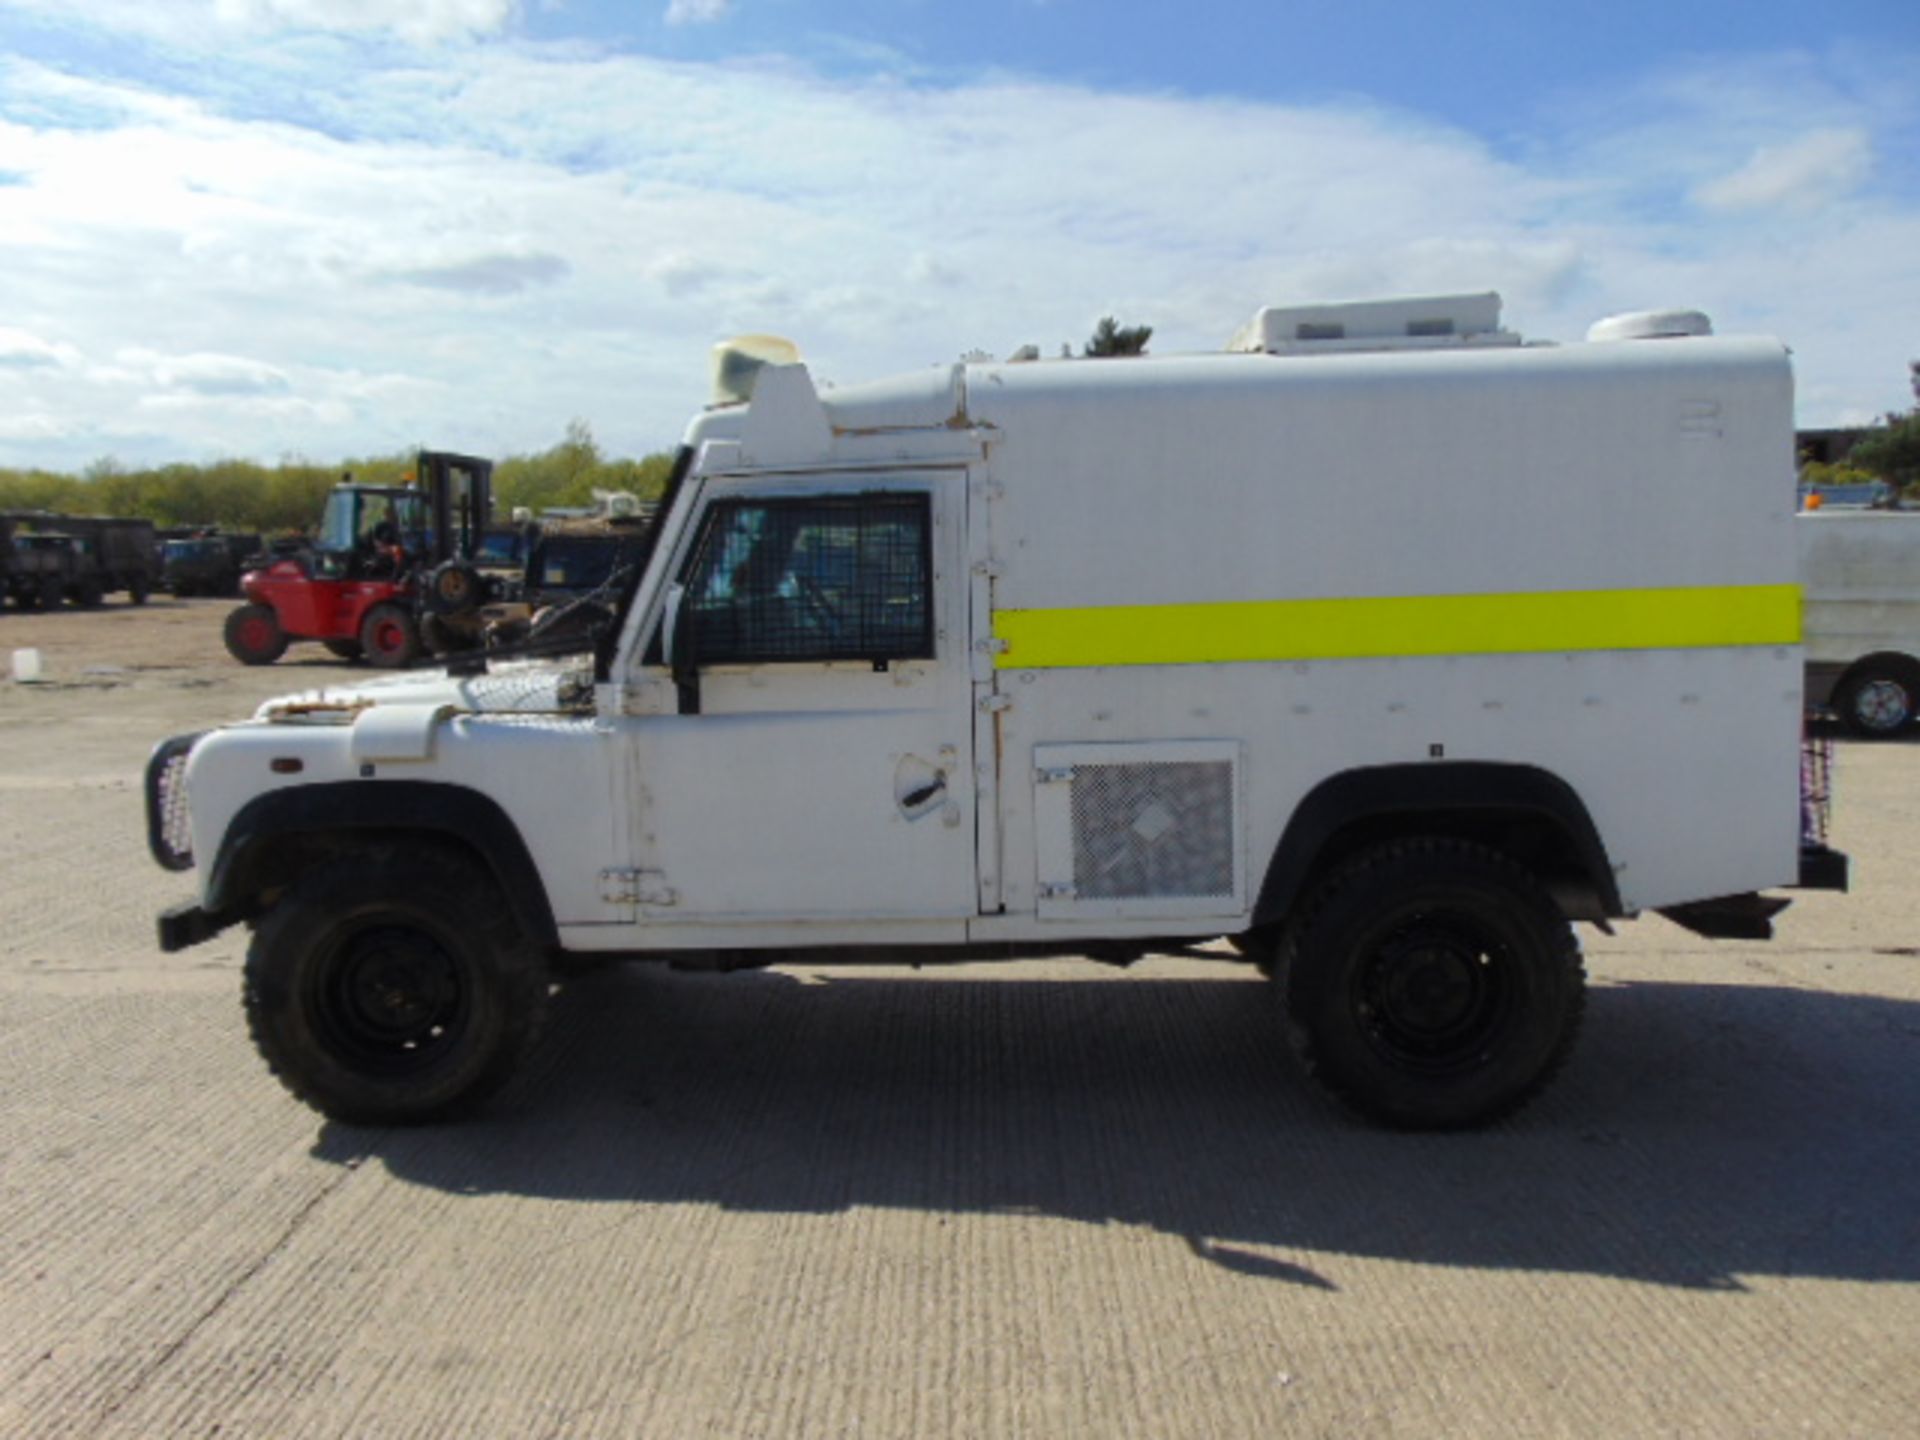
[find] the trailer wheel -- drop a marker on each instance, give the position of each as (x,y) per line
(390,637)
(345,649)
(390,990)
(254,636)
(1879,699)
(1431,984)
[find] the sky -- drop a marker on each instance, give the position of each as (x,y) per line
(322,228)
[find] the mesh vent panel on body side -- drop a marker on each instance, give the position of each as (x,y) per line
(1157,828)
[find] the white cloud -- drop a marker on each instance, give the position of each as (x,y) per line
(421,20)
(23,350)
(1805,174)
(470,252)
(203,373)
(697,12)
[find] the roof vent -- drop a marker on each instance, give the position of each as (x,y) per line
(1651,325)
(1422,323)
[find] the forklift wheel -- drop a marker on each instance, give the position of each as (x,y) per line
(254,636)
(390,637)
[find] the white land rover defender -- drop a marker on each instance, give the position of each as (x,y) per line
(1383,642)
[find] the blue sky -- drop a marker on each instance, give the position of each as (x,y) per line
(326,227)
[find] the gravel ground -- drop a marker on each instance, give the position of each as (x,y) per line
(1044,1199)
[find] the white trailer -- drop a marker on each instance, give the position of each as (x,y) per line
(1860,570)
(1384,643)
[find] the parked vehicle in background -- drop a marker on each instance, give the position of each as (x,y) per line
(122,552)
(1096,657)
(1860,579)
(1867,495)
(50,569)
(209,564)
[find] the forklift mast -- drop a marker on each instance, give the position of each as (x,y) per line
(459,490)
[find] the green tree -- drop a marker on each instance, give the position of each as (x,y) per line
(1110,337)
(1894,452)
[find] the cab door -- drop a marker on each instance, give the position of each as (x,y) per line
(808,755)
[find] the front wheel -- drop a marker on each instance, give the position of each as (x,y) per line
(390,637)
(254,636)
(391,989)
(1431,984)
(1878,701)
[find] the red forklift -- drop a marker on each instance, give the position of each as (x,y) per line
(384,555)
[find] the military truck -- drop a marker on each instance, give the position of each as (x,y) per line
(1382,643)
(50,568)
(123,551)
(206,564)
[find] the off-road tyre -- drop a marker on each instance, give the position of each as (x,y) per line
(1879,699)
(345,649)
(53,593)
(88,595)
(390,637)
(1431,984)
(254,636)
(393,988)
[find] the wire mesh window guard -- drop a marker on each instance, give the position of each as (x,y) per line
(815,578)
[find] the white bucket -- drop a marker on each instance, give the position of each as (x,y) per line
(26,665)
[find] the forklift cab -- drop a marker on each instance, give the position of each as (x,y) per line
(381,531)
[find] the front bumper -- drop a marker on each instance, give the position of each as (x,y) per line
(187,924)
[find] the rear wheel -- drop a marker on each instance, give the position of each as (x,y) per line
(390,637)
(1879,700)
(1431,984)
(254,636)
(385,990)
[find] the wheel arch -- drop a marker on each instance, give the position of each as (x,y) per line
(276,834)
(1524,812)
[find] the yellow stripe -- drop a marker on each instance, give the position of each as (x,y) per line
(1690,617)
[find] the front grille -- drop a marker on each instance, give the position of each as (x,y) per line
(169,823)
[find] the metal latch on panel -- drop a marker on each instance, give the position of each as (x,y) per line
(1053,775)
(637,887)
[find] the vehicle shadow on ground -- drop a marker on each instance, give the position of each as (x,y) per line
(1702,1133)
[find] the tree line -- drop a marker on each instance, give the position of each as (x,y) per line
(244,495)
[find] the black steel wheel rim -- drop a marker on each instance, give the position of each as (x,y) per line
(391,1000)
(1436,992)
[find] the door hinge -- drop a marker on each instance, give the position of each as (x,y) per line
(1058,892)
(993,646)
(637,887)
(1053,775)
(994,704)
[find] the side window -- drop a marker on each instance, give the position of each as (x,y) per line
(815,578)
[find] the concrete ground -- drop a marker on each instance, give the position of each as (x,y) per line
(1045,1199)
